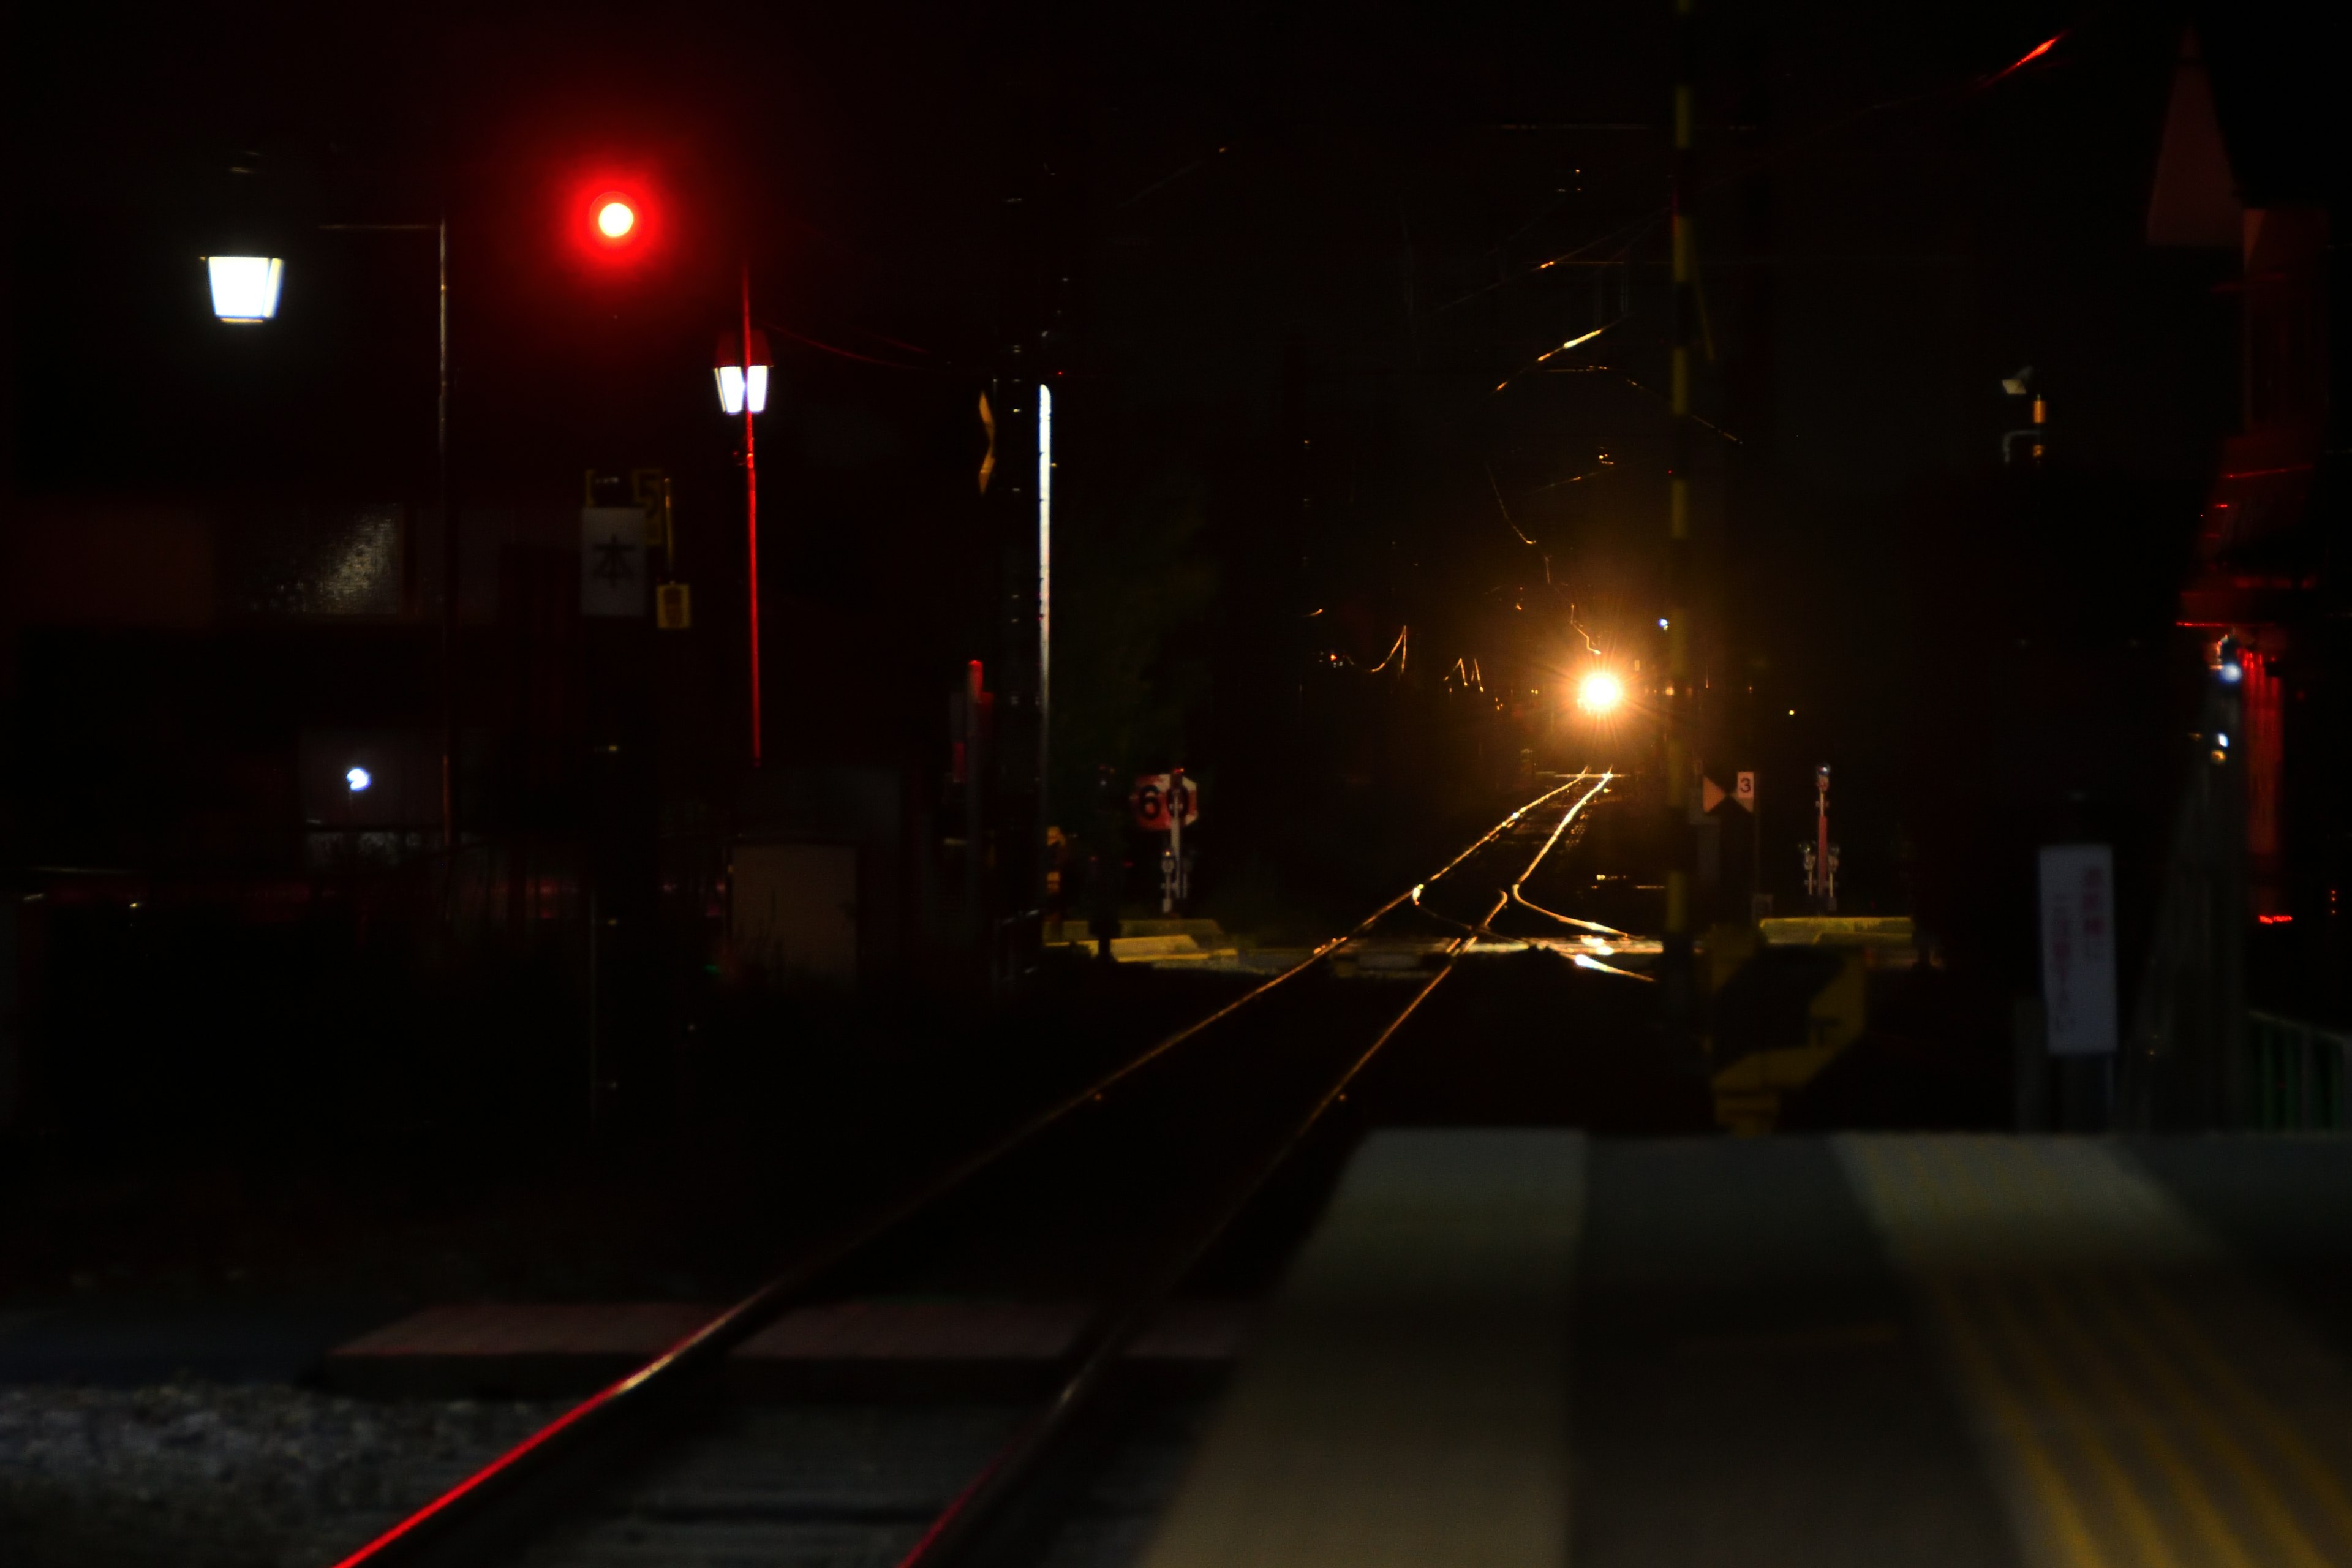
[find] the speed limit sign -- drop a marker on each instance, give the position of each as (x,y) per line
(1744,791)
(1155,800)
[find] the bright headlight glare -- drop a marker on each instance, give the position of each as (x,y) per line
(1599,692)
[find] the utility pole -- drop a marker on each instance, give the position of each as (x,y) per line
(450,541)
(1679,997)
(751,511)
(1020,500)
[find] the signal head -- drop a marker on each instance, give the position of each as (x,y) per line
(615,220)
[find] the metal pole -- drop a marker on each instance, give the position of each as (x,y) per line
(1176,842)
(595,1043)
(1045,619)
(1825,895)
(1680,698)
(448,567)
(440,229)
(1755,853)
(976,762)
(752,511)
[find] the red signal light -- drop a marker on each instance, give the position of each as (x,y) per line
(615,220)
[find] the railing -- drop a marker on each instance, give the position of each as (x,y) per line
(2298,1071)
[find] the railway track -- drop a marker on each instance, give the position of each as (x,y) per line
(1116,1195)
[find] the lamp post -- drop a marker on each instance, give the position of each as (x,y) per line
(245,291)
(741,368)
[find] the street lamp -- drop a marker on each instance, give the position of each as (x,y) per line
(732,369)
(245,288)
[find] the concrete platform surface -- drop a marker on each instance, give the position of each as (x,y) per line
(2138,1396)
(1512,1347)
(1407,1400)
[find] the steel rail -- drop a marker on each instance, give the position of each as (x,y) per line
(432,1526)
(961,1524)
(1486,927)
(1535,909)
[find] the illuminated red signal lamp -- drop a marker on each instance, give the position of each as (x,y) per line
(615,221)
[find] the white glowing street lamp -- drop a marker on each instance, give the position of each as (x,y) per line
(245,288)
(733,370)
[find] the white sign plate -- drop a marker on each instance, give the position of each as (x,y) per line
(2078,948)
(612,561)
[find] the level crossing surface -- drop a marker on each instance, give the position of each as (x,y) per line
(1528,1347)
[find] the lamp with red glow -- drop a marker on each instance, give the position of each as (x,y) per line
(613,223)
(728,367)
(616,217)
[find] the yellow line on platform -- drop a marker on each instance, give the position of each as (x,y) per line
(1979,1182)
(2148,1543)
(2217,1439)
(2186,1485)
(2324,1486)
(1905,1167)
(2213,1435)
(2076,1547)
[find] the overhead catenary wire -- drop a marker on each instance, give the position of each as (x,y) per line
(1515,528)
(867,359)
(1573,342)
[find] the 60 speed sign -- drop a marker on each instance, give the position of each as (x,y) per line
(1153,798)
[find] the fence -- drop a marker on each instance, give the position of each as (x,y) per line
(2298,1073)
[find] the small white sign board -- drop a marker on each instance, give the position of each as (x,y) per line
(2078,948)
(612,561)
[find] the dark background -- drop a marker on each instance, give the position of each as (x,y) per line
(1283,263)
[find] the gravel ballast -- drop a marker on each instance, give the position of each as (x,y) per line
(214,1476)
